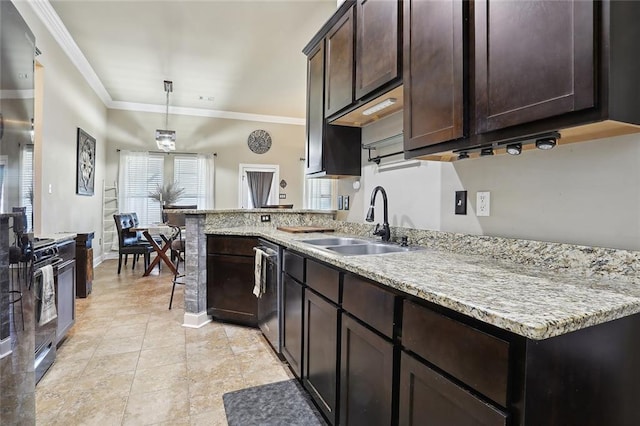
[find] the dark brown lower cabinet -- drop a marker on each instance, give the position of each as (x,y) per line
(320,361)
(230,289)
(428,398)
(292,300)
(366,376)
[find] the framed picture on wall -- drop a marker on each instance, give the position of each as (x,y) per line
(86,166)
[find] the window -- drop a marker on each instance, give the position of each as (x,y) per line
(26,183)
(185,175)
(139,174)
(194,173)
(319,194)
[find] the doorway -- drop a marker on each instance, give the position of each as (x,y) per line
(244,196)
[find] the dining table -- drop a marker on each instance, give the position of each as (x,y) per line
(165,232)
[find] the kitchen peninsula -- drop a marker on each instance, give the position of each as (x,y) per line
(508,331)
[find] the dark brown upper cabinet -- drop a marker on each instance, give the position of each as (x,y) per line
(433,72)
(533,67)
(533,60)
(377,45)
(315,108)
(339,65)
(330,150)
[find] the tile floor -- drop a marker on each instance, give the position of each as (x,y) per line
(128,360)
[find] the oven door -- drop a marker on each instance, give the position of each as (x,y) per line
(45,334)
(269,301)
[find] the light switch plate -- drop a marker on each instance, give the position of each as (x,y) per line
(483,203)
(461,202)
(346,202)
(340,202)
(283,196)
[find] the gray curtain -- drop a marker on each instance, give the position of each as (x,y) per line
(259,187)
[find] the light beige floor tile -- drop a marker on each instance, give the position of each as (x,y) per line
(110,364)
(128,360)
(63,372)
(162,356)
(153,379)
(89,411)
(103,387)
(126,330)
(159,406)
(119,346)
(159,340)
(210,418)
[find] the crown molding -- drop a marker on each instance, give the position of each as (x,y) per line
(58,30)
(198,112)
(52,22)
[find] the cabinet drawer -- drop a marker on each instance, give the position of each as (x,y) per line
(237,246)
(472,356)
(324,280)
(426,397)
(369,303)
(293,264)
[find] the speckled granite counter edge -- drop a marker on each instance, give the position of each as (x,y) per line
(539,329)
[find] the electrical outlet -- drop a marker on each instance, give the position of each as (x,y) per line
(461,202)
(340,202)
(283,196)
(483,203)
(265,218)
(345,202)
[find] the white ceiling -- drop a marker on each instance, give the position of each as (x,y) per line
(246,55)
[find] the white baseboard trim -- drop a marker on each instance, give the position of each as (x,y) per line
(5,347)
(196,320)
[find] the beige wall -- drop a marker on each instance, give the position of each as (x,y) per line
(228,138)
(585,193)
(64,103)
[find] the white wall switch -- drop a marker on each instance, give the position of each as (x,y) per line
(483,204)
(50,189)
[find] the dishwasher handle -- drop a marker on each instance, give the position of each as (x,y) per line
(269,252)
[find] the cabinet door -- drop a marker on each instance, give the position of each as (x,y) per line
(433,72)
(230,283)
(533,60)
(65,299)
(339,65)
(320,368)
(427,398)
(315,109)
(377,45)
(292,303)
(366,376)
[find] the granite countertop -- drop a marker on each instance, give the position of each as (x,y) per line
(58,237)
(529,301)
(264,211)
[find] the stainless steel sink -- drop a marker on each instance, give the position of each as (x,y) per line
(370,248)
(335,241)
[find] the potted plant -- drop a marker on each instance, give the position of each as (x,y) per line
(168,194)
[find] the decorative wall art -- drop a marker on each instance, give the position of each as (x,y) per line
(85,174)
(259,141)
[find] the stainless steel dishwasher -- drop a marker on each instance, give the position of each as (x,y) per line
(270,301)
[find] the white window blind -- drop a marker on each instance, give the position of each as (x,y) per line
(195,174)
(186,175)
(26,184)
(140,174)
(320,194)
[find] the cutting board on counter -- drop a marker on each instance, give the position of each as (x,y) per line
(304,229)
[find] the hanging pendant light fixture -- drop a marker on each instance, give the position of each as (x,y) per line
(166,139)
